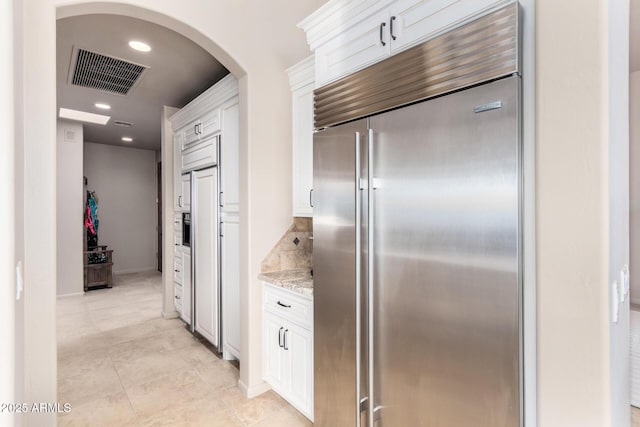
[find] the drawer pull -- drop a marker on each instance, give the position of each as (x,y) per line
(177,297)
(177,271)
(283,305)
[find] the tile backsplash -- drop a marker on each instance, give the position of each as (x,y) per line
(293,250)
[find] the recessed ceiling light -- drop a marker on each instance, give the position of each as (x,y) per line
(137,45)
(127,139)
(102,106)
(83,116)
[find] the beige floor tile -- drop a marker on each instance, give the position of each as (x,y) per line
(99,382)
(111,410)
(148,367)
(254,410)
(121,364)
(175,390)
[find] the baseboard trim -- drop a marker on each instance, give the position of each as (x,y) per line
(74,294)
(170,315)
(135,270)
(256,390)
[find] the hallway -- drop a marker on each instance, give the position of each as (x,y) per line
(121,364)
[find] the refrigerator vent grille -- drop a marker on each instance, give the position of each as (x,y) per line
(105,73)
(482,50)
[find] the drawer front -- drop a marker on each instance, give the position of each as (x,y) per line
(177,223)
(210,123)
(199,155)
(177,297)
(289,305)
(178,270)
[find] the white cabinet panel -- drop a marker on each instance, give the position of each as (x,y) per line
(177,297)
(302,150)
(230,159)
(299,343)
(355,48)
(275,364)
(420,20)
(177,171)
(200,155)
(185,185)
(186,285)
(205,251)
(230,256)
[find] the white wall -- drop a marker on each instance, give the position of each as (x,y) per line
(70,205)
(7,203)
(125,181)
(634,181)
(618,102)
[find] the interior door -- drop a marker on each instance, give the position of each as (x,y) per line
(446,281)
(204,203)
(336,199)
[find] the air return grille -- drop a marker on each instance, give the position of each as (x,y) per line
(106,73)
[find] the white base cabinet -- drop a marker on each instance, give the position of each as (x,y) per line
(287,343)
(230,271)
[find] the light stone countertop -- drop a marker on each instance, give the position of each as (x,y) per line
(299,280)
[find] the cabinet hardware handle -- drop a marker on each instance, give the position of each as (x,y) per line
(176,244)
(177,297)
(280,338)
(382,25)
(393,18)
(283,305)
(180,201)
(286,346)
(311,197)
(177,271)
(176,222)
(221,203)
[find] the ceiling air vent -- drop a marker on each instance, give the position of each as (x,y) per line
(122,123)
(102,72)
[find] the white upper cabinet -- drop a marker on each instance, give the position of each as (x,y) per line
(301,78)
(349,35)
(177,172)
(230,158)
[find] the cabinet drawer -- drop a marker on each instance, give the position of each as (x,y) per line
(177,223)
(177,297)
(199,155)
(287,304)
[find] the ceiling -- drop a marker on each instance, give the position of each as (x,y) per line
(179,70)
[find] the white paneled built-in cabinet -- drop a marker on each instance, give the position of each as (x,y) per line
(287,340)
(301,79)
(347,36)
(230,253)
(206,134)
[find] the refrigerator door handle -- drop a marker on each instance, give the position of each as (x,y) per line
(358,220)
(370,292)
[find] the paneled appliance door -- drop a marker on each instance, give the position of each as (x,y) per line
(205,223)
(445,277)
(337,217)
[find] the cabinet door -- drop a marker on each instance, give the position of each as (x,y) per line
(191,133)
(419,20)
(229,159)
(302,117)
(185,184)
(299,344)
(275,359)
(230,266)
(186,286)
(363,44)
(205,252)
(201,154)
(209,124)
(177,297)
(177,171)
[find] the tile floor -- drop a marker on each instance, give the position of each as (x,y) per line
(121,364)
(635,417)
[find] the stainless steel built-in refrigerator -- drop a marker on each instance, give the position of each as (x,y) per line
(417,260)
